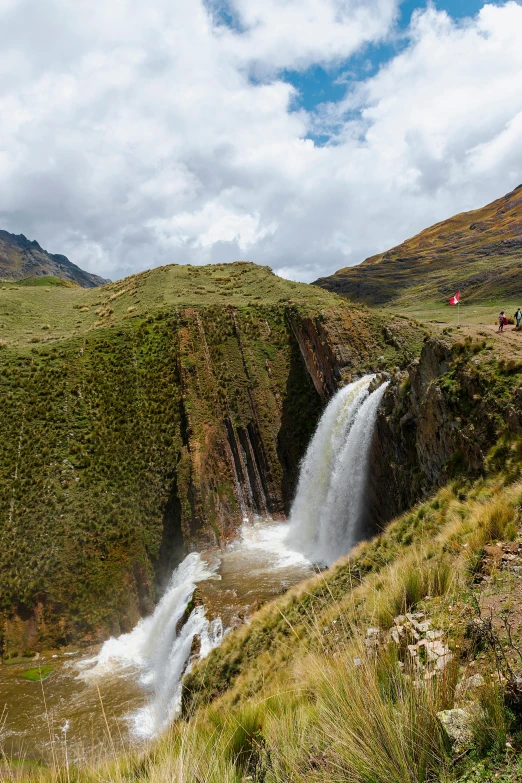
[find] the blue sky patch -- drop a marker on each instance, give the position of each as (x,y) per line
(318,85)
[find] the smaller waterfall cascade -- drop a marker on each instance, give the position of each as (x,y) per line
(328,510)
(159,650)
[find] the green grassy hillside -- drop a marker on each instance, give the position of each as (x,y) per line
(478,253)
(138,416)
(400,663)
(30,316)
(351,676)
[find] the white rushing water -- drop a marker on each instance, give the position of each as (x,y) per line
(158,651)
(325,523)
(326,516)
(139,675)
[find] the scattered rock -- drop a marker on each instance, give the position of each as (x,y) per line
(373,638)
(412,632)
(443,661)
(457,725)
(468,686)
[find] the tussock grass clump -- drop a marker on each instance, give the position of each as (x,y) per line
(495,521)
(379,725)
(490,722)
(510,365)
(409,581)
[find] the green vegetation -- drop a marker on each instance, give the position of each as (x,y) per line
(46,281)
(115,456)
(36,675)
(317,689)
(77,311)
(120,406)
(472,314)
(475,252)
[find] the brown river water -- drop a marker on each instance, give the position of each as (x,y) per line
(126,693)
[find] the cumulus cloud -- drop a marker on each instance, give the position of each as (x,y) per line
(136,134)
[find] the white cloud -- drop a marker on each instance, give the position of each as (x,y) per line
(213,224)
(133,134)
(297,33)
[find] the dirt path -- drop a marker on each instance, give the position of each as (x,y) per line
(507,344)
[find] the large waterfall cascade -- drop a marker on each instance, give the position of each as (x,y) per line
(325,522)
(327,515)
(160,650)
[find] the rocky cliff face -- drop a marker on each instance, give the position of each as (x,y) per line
(439,419)
(124,448)
(20,258)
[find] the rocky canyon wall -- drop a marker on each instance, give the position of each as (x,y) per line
(439,420)
(125,449)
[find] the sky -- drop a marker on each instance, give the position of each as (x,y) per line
(301,134)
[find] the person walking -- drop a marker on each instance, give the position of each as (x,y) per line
(518,317)
(502,320)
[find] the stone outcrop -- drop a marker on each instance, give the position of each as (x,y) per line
(439,419)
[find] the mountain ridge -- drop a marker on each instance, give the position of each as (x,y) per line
(21,258)
(478,252)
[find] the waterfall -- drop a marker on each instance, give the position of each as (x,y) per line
(159,650)
(328,510)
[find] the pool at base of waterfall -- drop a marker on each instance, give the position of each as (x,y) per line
(130,689)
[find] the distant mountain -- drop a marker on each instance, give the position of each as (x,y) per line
(20,258)
(478,252)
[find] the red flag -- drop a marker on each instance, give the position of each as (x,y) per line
(455,299)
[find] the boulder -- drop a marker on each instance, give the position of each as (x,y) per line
(457,724)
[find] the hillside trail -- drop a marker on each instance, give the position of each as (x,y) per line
(507,344)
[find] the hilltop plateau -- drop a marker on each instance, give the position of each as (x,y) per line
(478,253)
(144,418)
(20,259)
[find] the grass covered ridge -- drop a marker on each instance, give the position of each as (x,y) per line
(475,252)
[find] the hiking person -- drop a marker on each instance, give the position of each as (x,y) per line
(502,321)
(518,317)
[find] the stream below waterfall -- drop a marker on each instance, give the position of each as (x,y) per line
(137,676)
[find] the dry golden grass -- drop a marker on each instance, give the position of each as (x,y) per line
(323,707)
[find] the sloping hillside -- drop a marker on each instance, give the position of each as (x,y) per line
(401,662)
(138,420)
(20,258)
(478,253)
